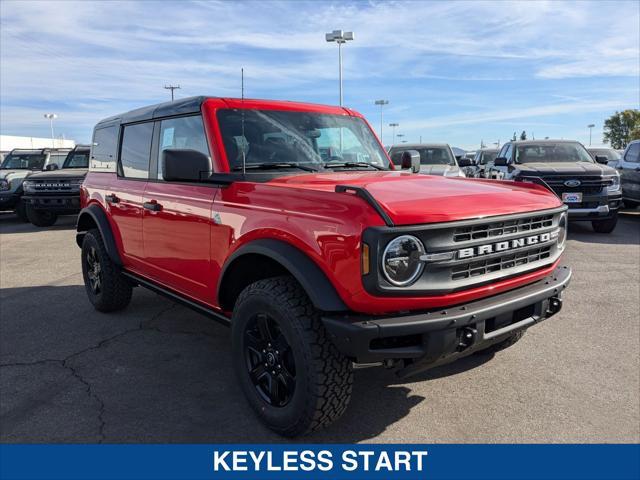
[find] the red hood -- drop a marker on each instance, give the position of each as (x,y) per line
(411,199)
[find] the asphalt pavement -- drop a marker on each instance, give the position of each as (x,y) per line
(158,372)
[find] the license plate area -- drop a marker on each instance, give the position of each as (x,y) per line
(572,197)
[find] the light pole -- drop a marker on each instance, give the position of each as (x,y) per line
(393,138)
(382,103)
(400,135)
(339,37)
(51,117)
(590,126)
(172,88)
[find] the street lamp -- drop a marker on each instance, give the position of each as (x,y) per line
(382,103)
(590,126)
(339,37)
(51,117)
(393,137)
(400,135)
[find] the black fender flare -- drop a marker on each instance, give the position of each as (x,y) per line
(313,280)
(99,218)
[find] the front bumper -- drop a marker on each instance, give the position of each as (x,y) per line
(8,201)
(437,336)
(595,207)
(61,204)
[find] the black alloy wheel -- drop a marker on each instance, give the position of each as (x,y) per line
(94,270)
(269,360)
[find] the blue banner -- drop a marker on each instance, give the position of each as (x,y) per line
(320,462)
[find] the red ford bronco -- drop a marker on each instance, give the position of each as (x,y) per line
(288,222)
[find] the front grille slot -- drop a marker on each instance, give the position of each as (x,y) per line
(52,186)
(504,262)
(499,229)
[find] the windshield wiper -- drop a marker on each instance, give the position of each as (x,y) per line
(274,166)
(352,165)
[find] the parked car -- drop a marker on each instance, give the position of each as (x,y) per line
(629,168)
(317,265)
(435,158)
(484,156)
(588,186)
(612,156)
(18,165)
(56,192)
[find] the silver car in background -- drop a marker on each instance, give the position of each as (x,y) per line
(435,158)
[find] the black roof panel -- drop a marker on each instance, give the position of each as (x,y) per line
(177,107)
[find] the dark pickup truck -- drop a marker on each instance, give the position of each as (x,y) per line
(585,184)
(56,191)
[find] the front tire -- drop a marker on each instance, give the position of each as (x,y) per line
(108,290)
(292,375)
(605,226)
(41,218)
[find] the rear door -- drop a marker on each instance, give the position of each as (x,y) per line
(629,168)
(125,193)
(177,216)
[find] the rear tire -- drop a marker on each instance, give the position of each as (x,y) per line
(41,218)
(108,290)
(21,211)
(278,339)
(509,341)
(605,226)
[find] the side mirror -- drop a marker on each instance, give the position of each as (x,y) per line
(411,160)
(51,166)
(602,159)
(501,162)
(185,165)
(466,162)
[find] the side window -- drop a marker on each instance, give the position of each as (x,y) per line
(103,148)
(633,154)
(506,151)
(182,133)
(135,150)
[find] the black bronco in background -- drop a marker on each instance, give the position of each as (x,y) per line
(56,191)
(587,185)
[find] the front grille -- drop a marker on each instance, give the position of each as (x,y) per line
(498,229)
(589,185)
(54,186)
(482,267)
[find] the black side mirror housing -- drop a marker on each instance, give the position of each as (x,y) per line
(183,165)
(501,162)
(411,160)
(51,166)
(466,162)
(602,159)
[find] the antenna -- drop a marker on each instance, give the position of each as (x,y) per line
(244,140)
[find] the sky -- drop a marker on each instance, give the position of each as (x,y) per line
(456,72)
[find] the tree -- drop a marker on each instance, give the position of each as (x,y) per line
(523,135)
(622,127)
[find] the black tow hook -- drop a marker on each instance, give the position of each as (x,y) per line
(468,337)
(555,305)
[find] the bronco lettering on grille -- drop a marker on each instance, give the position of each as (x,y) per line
(503,246)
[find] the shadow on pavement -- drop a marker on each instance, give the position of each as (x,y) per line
(627,232)
(155,372)
(9,223)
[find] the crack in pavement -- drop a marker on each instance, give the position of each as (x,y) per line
(64,363)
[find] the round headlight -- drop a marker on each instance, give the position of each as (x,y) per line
(401,262)
(562,230)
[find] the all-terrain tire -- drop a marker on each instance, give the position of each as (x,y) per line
(605,226)
(496,347)
(41,218)
(114,289)
(323,376)
(21,211)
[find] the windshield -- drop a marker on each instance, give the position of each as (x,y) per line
(610,153)
(428,155)
(78,159)
(23,161)
(488,156)
(552,152)
(297,138)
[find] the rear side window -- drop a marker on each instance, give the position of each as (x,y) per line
(103,149)
(135,151)
(182,133)
(633,154)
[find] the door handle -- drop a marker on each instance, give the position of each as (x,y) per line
(112,198)
(152,205)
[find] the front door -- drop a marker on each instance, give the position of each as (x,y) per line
(629,168)
(177,217)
